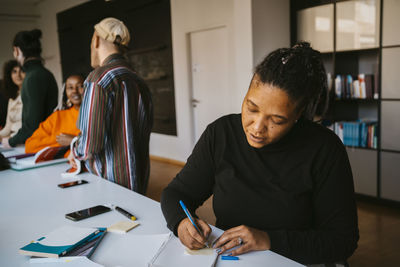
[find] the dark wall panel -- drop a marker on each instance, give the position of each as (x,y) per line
(150,49)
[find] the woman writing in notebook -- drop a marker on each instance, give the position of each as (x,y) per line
(60,127)
(279,181)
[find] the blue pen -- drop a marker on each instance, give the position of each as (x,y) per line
(229,258)
(191,219)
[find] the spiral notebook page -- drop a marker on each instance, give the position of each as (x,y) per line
(128,250)
(173,254)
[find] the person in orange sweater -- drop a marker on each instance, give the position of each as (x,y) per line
(60,127)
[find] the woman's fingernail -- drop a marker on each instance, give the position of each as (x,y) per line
(218,250)
(230,254)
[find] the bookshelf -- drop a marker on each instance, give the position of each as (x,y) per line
(360,37)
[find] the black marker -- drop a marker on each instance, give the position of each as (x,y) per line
(125,213)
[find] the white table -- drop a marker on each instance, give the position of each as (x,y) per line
(32,205)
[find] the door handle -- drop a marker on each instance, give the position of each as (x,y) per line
(195,102)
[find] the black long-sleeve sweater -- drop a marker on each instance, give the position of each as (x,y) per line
(299,190)
(39,95)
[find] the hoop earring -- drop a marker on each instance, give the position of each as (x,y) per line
(69,103)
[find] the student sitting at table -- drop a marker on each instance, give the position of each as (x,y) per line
(60,127)
(280,181)
(13,76)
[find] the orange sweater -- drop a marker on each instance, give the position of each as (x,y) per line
(61,121)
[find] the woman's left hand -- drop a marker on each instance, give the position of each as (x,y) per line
(248,238)
(64,139)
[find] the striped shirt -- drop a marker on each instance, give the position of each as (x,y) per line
(115,121)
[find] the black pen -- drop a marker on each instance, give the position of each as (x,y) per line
(124,212)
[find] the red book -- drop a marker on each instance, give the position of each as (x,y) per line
(50,153)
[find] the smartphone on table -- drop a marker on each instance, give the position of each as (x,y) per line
(86,213)
(73,183)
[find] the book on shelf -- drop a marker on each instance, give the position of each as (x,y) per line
(329,81)
(338,86)
(342,86)
(361,86)
(369,83)
(349,87)
(59,242)
(363,90)
(357,89)
(361,133)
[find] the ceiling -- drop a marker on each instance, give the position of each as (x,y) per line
(11,9)
(20,2)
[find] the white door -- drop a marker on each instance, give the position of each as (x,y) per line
(210,68)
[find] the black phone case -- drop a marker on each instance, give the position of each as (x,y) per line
(67,186)
(94,213)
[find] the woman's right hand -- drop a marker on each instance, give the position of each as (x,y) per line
(189,235)
(64,139)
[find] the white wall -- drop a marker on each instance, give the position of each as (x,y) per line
(14,18)
(193,15)
(27,15)
(8,30)
(271,27)
(243,56)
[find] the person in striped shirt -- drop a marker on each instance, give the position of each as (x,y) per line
(116,114)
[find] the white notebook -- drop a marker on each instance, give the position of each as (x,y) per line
(128,250)
(181,258)
(76,261)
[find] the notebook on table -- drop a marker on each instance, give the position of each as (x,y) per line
(59,242)
(46,156)
(3,150)
(182,256)
(85,250)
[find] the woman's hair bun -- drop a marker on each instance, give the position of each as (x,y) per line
(29,42)
(300,72)
(36,33)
